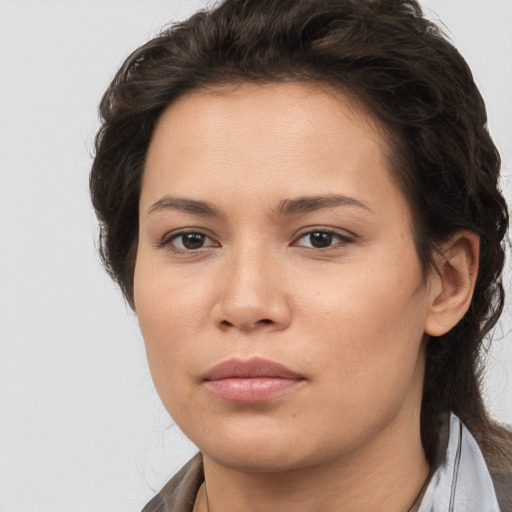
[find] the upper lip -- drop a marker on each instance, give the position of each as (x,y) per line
(251,368)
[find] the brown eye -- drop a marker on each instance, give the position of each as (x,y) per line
(189,241)
(322,239)
(193,240)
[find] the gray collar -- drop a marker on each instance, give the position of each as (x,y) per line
(462,481)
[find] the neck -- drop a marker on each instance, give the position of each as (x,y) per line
(386,474)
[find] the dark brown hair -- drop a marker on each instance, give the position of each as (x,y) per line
(409,77)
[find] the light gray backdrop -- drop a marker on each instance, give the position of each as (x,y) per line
(81,428)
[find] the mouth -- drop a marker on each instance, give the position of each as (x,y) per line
(254,380)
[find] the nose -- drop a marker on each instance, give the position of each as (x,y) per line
(251,294)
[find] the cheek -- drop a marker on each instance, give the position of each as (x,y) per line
(168,300)
(171,315)
(365,297)
(369,326)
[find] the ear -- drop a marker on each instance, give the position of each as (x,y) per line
(452,285)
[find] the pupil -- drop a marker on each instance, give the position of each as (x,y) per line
(320,239)
(193,240)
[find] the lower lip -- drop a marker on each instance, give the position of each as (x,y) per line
(254,389)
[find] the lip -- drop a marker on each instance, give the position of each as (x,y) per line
(254,380)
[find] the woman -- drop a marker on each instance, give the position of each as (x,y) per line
(299,200)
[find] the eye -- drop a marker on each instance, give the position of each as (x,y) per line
(188,241)
(322,239)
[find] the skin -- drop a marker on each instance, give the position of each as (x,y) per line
(350,318)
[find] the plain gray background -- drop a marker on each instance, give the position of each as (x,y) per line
(81,427)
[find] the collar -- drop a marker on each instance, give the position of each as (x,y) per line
(462,480)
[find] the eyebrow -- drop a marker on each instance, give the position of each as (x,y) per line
(286,207)
(312,203)
(185,205)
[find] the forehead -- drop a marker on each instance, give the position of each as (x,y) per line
(295,106)
(284,139)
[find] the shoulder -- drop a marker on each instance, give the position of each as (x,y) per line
(498,455)
(494,442)
(179,493)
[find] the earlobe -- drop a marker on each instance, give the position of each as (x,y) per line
(452,285)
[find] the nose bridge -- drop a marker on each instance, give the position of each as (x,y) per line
(250,294)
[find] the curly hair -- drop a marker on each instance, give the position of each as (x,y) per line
(409,77)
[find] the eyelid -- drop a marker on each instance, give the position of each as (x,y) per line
(165,242)
(346,237)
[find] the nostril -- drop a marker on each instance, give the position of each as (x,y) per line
(264,321)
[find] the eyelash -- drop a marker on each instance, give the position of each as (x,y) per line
(167,241)
(342,238)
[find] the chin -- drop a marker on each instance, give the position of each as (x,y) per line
(253,459)
(268,450)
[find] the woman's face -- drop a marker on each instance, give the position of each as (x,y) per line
(277,285)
